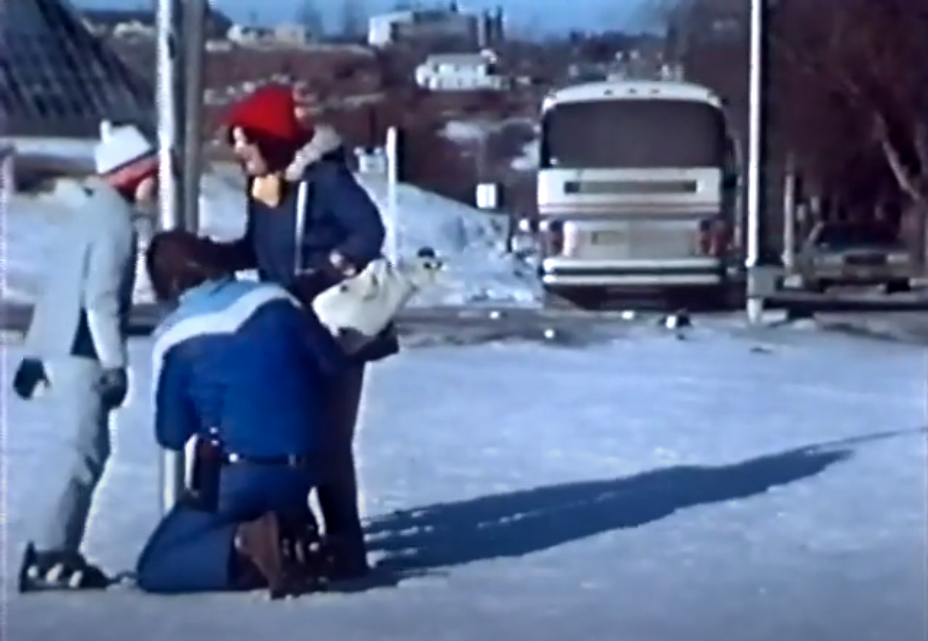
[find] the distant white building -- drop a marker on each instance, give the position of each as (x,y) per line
(243,34)
(381,29)
(461,72)
(290,33)
(423,24)
(132,29)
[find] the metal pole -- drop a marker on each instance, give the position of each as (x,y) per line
(170,194)
(193,33)
(759,278)
(393,161)
(789,216)
(167,100)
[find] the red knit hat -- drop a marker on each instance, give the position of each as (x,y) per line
(268,115)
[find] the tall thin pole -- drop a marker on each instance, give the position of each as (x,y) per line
(758,161)
(193,33)
(168,119)
(789,215)
(170,188)
(393,223)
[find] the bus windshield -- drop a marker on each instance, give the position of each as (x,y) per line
(626,134)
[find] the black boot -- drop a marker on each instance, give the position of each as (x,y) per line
(344,534)
(53,570)
(347,557)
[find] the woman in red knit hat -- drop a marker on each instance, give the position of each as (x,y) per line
(310,225)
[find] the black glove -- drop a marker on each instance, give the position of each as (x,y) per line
(308,285)
(113,387)
(351,340)
(29,375)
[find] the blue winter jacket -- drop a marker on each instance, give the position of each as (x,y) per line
(340,216)
(243,359)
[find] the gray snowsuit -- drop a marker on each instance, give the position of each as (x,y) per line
(78,332)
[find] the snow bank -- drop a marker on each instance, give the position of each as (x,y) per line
(461,131)
(66,148)
(472,242)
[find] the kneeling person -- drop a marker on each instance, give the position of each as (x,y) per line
(241,368)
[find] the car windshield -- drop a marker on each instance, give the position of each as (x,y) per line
(850,236)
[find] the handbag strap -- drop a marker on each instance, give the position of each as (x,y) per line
(299,231)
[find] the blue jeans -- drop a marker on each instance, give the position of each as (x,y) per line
(192,550)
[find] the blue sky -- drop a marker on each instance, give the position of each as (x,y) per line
(525,15)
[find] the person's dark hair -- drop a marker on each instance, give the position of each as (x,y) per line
(178,260)
(276,153)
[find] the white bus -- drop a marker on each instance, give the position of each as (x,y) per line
(637,189)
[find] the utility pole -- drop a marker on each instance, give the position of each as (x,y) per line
(169,113)
(193,34)
(761,274)
(393,150)
(180,46)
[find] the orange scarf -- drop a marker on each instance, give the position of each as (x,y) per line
(268,189)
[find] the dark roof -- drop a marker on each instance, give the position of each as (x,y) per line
(112,17)
(56,79)
(217,23)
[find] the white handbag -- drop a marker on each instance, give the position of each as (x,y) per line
(366,303)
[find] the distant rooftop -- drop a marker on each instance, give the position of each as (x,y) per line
(58,80)
(217,23)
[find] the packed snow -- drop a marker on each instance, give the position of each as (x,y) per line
(66,148)
(466,131)
(473,243)
(476,130)
(649,489)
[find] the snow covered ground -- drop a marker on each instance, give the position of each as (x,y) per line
(649,489)
(472,242)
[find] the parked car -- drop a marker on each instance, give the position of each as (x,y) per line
(845,254)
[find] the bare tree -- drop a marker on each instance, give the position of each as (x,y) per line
(850,97)
(353,18)
(310,17)
(858,63)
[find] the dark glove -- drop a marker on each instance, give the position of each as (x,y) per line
(29,375)
(385,344)
(113,387)
(308,285)
(352,341)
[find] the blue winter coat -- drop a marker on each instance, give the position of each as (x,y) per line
(340,216)
(243,358)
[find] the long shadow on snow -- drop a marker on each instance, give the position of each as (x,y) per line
(520,523)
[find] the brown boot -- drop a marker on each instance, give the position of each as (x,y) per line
(260,543)
(303,550)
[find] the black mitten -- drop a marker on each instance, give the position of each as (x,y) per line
(29,375)
(113,387)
